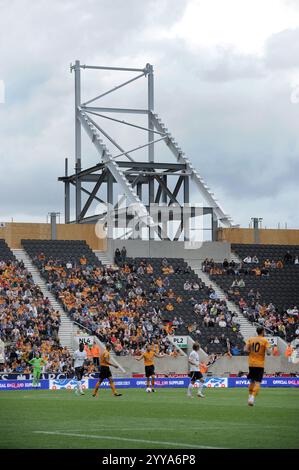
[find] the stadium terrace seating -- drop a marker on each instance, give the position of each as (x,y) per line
(5,253)
(268,297)
(191,323)
(87,291)
(27,322)
(125,307)
(280,287)
(264,252)
(64,250)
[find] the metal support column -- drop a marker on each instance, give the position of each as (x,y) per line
(110,189)
(164,193)
(151,136)
(256,222)
(214,227)
(53,226)
(186,220)
(66,196)
(78,136)
(139,190)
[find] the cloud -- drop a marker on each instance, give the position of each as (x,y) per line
(282,50)
(228,106)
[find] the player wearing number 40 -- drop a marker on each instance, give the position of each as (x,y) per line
(257,347)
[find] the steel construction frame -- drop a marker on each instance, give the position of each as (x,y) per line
(133,177)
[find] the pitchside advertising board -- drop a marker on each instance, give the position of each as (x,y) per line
(167,382)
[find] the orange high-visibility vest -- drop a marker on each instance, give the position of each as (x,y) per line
(88,352)
(275,351)
(203,367)
(95,351)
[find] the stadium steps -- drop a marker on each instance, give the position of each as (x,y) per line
(246,328)
(66,329)
(234,257)
(103,257)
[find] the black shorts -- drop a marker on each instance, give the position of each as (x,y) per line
(195,375)
(96,361)
(255,374)
(149,371)
(105,372)
(79,372)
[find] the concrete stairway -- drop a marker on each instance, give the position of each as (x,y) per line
(67,327)
(246,328)
(234,257)
(103,256)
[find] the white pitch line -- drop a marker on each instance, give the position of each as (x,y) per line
(124,439)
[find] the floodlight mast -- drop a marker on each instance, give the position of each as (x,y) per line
(131,176)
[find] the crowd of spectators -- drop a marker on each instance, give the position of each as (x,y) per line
(283,323)
(249,266)
(214,313)
(27,322)
(112,303)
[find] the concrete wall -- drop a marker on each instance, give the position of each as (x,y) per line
(13,233)
(159,249)
(226,365)
(266,236)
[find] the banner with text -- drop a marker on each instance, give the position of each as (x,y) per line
(180,341)
(167,382)
(67,384)
(84,339)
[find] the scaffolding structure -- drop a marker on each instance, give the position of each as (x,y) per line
(148,198)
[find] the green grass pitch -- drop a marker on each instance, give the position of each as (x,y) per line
(167,419)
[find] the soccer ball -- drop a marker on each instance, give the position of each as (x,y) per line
(148,390)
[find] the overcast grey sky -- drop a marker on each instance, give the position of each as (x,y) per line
(226,82)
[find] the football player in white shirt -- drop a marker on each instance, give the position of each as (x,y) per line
(195,374)
(79,359)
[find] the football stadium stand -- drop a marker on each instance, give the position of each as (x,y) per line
(27,321)
(191,307)
(5,253)
(139,300)
(265,285)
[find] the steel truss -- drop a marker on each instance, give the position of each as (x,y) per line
(142,184)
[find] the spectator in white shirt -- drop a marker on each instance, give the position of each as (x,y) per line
(293,311)
(247,259)
(213,296)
